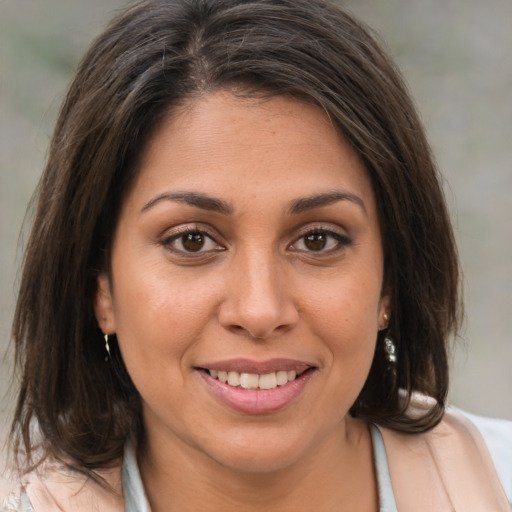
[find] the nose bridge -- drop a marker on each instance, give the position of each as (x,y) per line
(261,281)
(259,300)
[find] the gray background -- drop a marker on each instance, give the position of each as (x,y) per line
(456,56)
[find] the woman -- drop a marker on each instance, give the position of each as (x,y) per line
(241,278)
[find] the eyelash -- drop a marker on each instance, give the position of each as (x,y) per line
(340,241)
(191,231)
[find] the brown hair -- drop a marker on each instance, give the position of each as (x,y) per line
(160,54)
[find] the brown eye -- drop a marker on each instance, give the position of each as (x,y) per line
(321,241)
(193,242)
(315,241)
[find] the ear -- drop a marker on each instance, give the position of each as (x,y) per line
(385,308)
(103,305)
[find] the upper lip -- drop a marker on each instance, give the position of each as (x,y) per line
(258,367)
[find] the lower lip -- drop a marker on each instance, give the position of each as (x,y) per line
(260,401)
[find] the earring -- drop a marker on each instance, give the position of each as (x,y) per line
(107,348)
(390,349)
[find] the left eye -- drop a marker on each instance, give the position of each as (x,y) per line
(320,241)
(192,242)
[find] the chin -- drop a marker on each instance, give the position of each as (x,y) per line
(263,453)
(259,462)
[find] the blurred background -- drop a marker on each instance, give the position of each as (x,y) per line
(455,55)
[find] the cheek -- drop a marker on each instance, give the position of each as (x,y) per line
(157,333)
(344,315)
(346,304)
(159,317)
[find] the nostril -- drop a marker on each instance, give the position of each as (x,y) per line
(240,330)
(257,319)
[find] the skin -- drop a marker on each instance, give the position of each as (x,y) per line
(255,290)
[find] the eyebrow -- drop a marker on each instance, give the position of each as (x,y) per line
(325,199)
(212,204)
(193,199)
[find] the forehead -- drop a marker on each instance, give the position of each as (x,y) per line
(224,145)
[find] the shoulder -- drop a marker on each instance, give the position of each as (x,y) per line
(53,487)
(497,434)
(465,459)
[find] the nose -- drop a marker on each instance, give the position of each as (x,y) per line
(259,302)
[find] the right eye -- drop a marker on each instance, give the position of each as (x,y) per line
(190,242)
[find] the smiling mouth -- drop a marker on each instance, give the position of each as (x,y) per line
(251,387)
(256,381)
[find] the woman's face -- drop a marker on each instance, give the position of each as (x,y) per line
(248,249)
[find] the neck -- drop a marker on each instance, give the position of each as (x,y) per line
(337,475)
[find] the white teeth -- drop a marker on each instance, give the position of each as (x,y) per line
(234,379)
(254,380)
(249,380)
(268,381)
(282,378)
